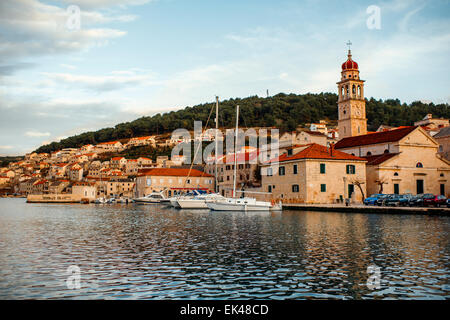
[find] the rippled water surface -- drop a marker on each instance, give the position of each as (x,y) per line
(150,252)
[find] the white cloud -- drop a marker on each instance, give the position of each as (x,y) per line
(29,28)
(37,134)
(102,83)
(6,147)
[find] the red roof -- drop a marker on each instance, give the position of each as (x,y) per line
(173,172)
(349,64)
(374,138)
(317,151)
(378,159)
(109,142)
(117,158)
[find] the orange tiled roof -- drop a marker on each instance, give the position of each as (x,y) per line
(374,138)
(109,142)
(173,172)
(317,151)
(117,158)
(140,138)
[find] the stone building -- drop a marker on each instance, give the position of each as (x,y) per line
(314,174)
(401,161)
(443,138)
(172,180)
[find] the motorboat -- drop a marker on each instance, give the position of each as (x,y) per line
(242,204)
(100,201)
(154,197)
(199,201)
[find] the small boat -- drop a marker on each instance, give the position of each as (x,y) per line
(111,200)
(199,201)
(100,201)
(242,204)
(154,197)
(174,201)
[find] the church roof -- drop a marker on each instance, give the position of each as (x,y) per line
(444,132)
(378,159)
(316,151)
(375,138)
(349,64)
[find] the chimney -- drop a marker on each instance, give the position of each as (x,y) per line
(332,149)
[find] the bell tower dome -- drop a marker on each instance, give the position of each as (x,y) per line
(351,103)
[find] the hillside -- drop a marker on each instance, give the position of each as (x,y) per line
(285,111)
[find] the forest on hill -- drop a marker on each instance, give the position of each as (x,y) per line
(285,111)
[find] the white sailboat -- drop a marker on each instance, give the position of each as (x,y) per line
(240,204)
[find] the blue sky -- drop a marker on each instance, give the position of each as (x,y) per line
(138,57)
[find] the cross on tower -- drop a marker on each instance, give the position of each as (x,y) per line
(349,43)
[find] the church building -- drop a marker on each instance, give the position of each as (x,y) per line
(402,160)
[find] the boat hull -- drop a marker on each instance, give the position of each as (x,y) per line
(221,206)
(192,204)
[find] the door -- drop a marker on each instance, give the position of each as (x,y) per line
(419,184)
(442,189)
(396,188)
(351,189)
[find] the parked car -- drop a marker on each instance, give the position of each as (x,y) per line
(393,200)
(435,201)
(372,200)
(405,199)
(448,203)
(418,200)
(414,199)
(381,200)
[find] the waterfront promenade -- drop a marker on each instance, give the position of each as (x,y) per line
(359,208)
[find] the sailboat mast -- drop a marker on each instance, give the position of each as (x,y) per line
(217,142)
(235,151)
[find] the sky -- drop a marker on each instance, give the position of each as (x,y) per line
(130,58)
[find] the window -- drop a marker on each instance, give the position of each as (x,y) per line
(369,153)
(295,169)
(269,188)
(442,189)
(289,152)
(269,172)
(351,169)
(295,188)
(281,171)
(227,168)
(441,175)
(322,168)
(188,181)
(323,188)
(396,174)
(419,165)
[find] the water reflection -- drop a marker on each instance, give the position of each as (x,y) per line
(152,252)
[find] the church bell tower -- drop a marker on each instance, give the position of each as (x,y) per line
(351,104)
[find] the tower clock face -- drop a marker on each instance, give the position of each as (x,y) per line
(358,111)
